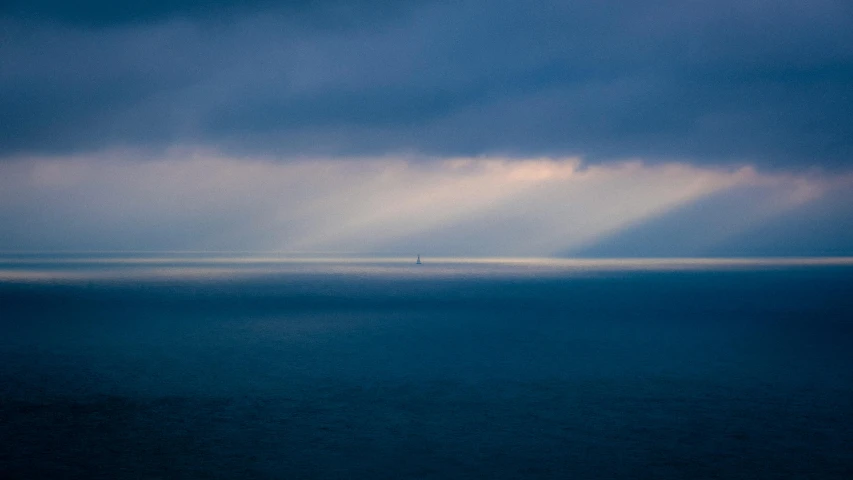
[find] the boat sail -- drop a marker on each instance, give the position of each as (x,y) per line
(419,260)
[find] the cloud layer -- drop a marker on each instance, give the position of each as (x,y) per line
(765,82)
(470,127)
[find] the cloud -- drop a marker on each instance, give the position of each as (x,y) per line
(195,200)
(106,13)
(706,82)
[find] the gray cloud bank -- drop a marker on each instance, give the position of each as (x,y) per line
(767,82)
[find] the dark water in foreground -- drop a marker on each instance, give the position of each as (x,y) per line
(185,370)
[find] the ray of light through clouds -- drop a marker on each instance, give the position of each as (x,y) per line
(459,206)
(658,128)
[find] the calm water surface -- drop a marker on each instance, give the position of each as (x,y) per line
(189,366)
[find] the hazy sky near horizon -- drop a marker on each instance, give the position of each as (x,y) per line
(469,127)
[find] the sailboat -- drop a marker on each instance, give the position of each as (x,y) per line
(419,260)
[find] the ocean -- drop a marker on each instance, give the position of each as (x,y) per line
(197,366)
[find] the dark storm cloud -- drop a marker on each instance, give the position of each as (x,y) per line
(103,13)
(766,82)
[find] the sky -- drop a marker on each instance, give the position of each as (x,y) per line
(468,127)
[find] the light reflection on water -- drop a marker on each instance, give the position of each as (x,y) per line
(144,266)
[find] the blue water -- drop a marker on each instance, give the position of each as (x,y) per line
(190,367)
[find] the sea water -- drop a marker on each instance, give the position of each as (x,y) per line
(199,366)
